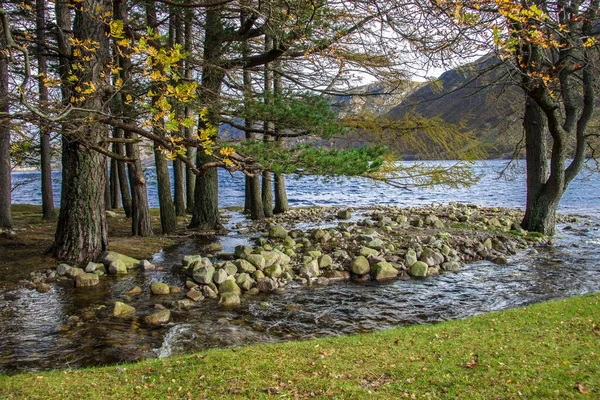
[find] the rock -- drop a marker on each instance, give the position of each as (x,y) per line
(111,214)
(146,265)
(325,261)
(494,222)
(274,271)
(435,270)
(418,269)
(158,318)
(62,269)
(184,304)
(175,289)
(445,250)
(360,265)
(258,274)
(229,299)
(488,244)
(189,260)
(204,274)
(366,252)
(244,266)
(159,288)
(245,282)
(310,269)
(122,310)
(92,266)
(376,244)
(500,260)
(242,251)
(344,214)
(73,272)
(203,262)
(117,267)
(43,287)
(383,270)
(208,292)
(212,248)
(257,260)
(266,285)
(87,279)
(322,281)
(220,276)
(289,242)
(431,257)
(110,256)
(410,258)
(230,268)
(450,266)
(195,295)
(336,275)
(134,291)
(229,285)
(277,232)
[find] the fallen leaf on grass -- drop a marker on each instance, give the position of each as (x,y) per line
(581,388)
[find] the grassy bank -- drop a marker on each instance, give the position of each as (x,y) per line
(549,350)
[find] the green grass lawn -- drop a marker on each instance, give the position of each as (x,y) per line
(545,351)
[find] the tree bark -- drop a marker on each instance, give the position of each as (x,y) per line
(168,219)
(5,178)
(281,201)
(176,37)
(45,147)
(141,221)
(107,185)
(267,181)
(82,232)
(190,177)
(206,194)
(118,148)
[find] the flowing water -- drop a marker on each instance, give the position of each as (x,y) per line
(61,328)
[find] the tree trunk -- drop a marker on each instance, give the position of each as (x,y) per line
(5,178)
(119,149)
(107,186)
(141,221)
(190,177)
(115,188)
(179,192)
(168,219)
(281,201)
(81,233)
(206,194)
(45,148)
(267,193)
(179,187)
(256,205)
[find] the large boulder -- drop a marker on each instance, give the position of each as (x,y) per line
(431,258)
(62,269)
(360,265)
(244,266)
(159,288)
(410,258)
(310,269)
(277,232)
(229,299)
(229,285)
(189,260)
(74,272)
(87,279)
(245,281)
(257,260)
(122,310)
(242,251)
(117,267)
(274,271)
(383,270)
(419,269)
(110,256)
(204,274)
(220,276)
(266,285)
(200,263)
(92,266)
(158,318)
(325,261)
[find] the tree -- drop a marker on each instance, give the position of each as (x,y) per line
(5,178)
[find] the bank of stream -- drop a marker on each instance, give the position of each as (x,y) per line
(62,328)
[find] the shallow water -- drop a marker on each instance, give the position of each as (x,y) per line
(34,332)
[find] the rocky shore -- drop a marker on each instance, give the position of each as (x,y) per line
(379,243)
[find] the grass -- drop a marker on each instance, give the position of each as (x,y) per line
(24,251)
(548,350)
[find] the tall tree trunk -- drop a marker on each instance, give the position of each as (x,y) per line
(281,201)
(206,194)
(119,148)
(141,221)
(5,178)
(190,177)
(82,233)
(168,219)
(267,181)
(176,30)
(45,148)
(115,187)
(107,186)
